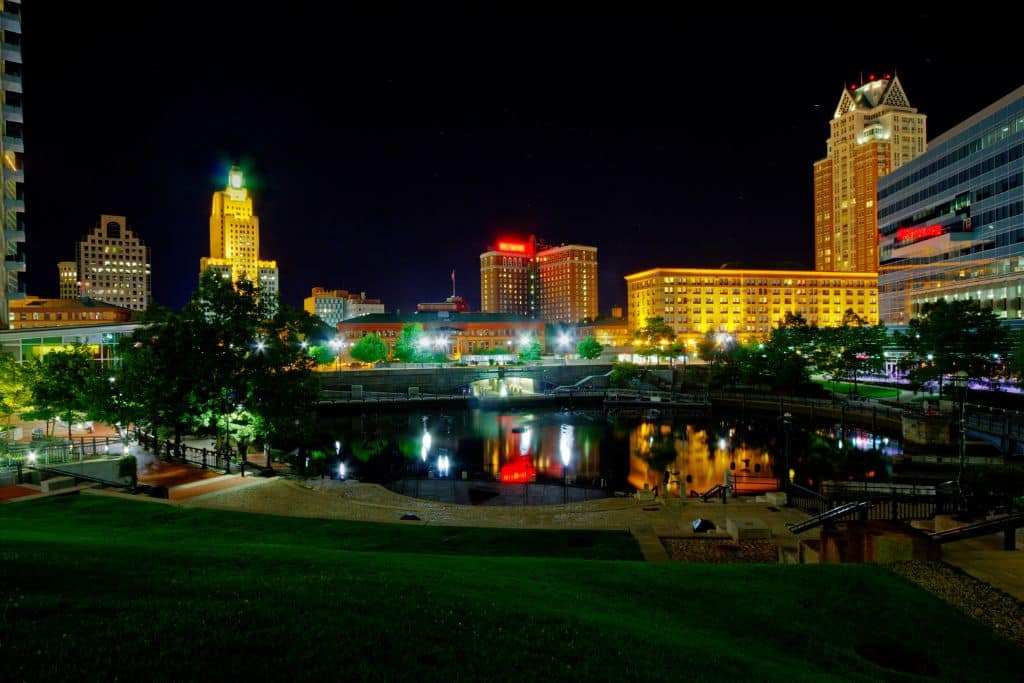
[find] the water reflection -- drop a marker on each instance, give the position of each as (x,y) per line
(674,457)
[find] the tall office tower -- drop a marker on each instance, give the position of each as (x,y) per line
(508,278)
(12,149)
(568,283)
(951,222)
(68,273)
(112,265)
(874,131)
(235,238)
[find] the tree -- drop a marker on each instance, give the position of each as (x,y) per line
(952,336)
(654,338)
(62,383)
(370,349)
(408,348)
(530,351)
(852,349)
(15,391)
(589,348)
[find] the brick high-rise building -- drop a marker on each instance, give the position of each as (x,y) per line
(874,131)
(530,278)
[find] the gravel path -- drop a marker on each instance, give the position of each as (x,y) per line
(720,550)
(1002,612)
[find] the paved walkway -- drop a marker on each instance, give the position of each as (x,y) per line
(649,523)
(984,559)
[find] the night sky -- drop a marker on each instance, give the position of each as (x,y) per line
(385,152)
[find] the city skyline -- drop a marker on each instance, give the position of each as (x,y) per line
(424,144)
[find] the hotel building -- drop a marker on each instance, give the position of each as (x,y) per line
(235,238)
(746,303)
(952,221)
(874,131)
(112,264)
(508,278)
(568,283)
(12,151)
(556,284)
(333,306)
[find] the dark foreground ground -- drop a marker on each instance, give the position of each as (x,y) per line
(100,589)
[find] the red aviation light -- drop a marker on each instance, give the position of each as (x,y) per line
(905,234)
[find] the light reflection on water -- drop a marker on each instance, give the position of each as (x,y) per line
(675,457)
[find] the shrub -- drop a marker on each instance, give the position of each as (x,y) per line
(128,467)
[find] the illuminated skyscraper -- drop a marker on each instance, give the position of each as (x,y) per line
(235,238)
(874,131)
(111,264)
(12,150)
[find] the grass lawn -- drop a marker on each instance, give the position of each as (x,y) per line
(96,588)
(868,390)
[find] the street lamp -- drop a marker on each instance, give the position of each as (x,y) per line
(336,344)
(563,343)
(565,452)
(960,381)
(787,429)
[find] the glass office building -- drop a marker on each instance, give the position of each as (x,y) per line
(951,222)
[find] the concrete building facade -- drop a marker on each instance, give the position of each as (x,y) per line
(12,153)
(335,305)
(111,264)
(952,220)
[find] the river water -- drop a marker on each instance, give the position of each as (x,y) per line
(586,448)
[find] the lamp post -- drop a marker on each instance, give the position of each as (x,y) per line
(961,380)
(565,452)
(787,429)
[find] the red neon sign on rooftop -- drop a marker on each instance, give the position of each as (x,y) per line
(905,234)
(516,247)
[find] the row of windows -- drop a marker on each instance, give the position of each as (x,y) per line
(992,136)
(946,184)
(754,282)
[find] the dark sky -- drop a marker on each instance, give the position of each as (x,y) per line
(385,152)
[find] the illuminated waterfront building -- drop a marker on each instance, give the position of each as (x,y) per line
(874,131)
(746,303)
(112,265)
(12,150)
(335,305)
(556,284)
(67,271)
(453,333)
(235,238)
(952,220)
